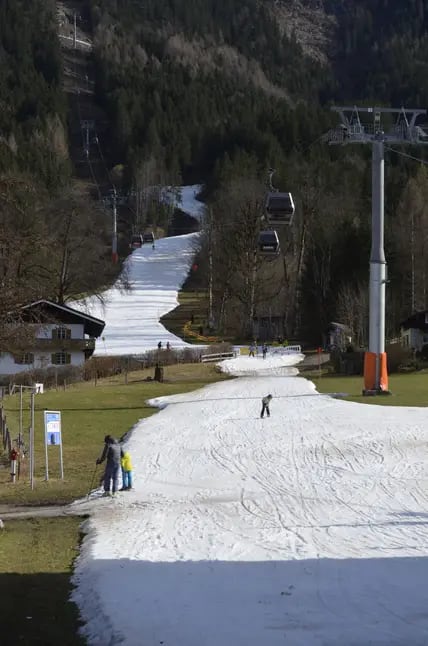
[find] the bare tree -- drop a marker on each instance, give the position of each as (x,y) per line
(22,241)
(411,239)
(353,311)
(79,260)
(153,204)
(242,279)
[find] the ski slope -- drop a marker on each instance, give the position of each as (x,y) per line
(309,528)
(154,276)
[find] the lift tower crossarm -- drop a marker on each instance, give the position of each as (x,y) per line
(352,131)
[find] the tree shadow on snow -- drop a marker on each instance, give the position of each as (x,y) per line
(314,602)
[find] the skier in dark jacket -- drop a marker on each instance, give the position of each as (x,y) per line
(265,405)
(112,453)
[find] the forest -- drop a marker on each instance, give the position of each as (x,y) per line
(53,241)
(218,92)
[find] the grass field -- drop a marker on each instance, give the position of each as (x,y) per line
(36,556)
(407,389)
(36,559)
(89,412)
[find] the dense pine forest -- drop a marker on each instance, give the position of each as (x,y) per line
(53,241)
(218,92)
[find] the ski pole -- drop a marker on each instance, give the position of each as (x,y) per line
(92,481)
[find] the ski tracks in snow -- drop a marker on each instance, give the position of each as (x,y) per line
(318,490)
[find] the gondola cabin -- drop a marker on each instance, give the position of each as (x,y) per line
(148,238)
(280,208)
(268,243)
(136,241)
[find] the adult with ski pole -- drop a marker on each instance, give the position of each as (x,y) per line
(92,481)
(112,453)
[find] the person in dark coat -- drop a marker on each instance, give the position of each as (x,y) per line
(265,405)
(112,453)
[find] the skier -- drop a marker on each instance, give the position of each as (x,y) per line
(251,350)
(264,350)
(265,405)
(160,345)
(126,471)
(112,453)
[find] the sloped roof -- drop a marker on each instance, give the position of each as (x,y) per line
(340,326)
(92,326)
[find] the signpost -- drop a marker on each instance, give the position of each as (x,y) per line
(53,437)
(319,352)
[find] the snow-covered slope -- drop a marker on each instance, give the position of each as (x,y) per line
(155,276)
(189,203)
(305,529)
(132,316)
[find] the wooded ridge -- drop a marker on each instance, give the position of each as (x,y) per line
(218,92)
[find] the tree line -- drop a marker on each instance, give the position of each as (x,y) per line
(218,93)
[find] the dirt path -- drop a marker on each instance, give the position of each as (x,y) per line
(13,512)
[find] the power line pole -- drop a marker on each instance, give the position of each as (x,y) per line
(114,239)
(111,200)
(32,452)
(87,126)
(210,267)
(352,131)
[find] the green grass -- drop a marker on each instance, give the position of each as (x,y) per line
(36,558)
(407,389)
(89,412)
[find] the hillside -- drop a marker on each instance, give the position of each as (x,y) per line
(53,240)
(33,111)
(217,92)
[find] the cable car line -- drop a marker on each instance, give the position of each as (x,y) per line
(399,152)
(97,141)
(85,150)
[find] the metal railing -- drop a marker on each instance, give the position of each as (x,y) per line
(218,357)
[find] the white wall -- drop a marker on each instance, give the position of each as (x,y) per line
(42,360)
(413,338)
(45,331)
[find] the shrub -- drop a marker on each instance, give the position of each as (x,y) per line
(397,356)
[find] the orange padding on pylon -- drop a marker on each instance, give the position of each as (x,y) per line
(370,371)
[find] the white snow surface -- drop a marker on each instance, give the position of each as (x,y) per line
(189,203)
(132,316)
(185,198)
(308,528)
(155,276)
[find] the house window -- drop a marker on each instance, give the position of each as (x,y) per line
(61,333)
(61,358)
(26,358)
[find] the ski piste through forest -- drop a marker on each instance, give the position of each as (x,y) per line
(307,528)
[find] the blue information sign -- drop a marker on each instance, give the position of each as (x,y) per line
(53,437)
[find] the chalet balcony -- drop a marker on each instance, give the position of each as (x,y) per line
(67,345)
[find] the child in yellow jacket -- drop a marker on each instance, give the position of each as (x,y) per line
(126,465)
